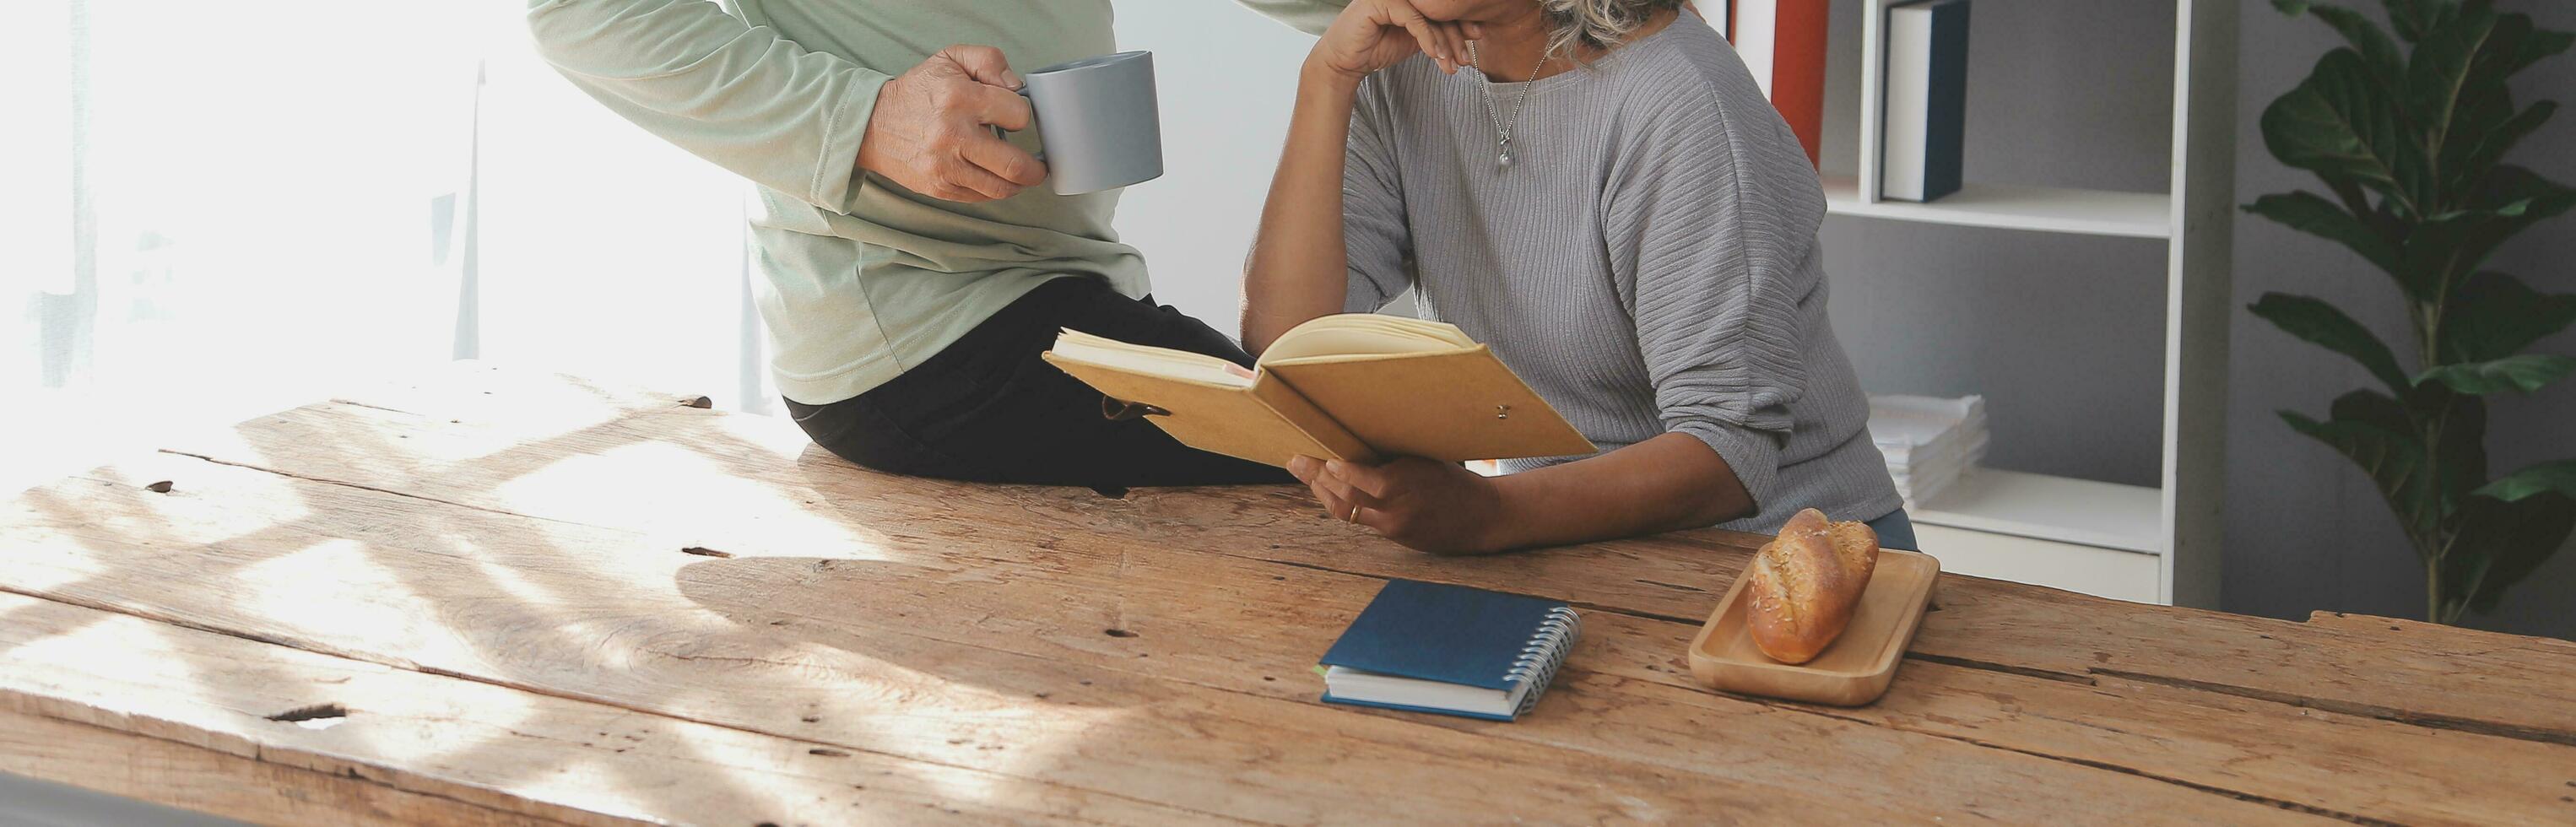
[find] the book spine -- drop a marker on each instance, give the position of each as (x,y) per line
(1545,653)
(1925,104)
(1798,71)
(1782,42)
(1945,129)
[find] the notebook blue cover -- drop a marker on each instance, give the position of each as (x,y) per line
(1455,634)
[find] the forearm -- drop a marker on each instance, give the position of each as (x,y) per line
(1309,16)
(1670,482)
(738,96)
(1297,270)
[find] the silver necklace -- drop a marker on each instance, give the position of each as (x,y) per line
(1503,128)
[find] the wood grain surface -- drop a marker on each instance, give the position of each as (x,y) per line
(496,596)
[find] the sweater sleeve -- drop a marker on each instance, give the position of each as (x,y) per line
(1377,245)
(1710,219)
(739,96)
(1309,16)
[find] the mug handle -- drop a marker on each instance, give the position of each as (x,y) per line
(1005,134)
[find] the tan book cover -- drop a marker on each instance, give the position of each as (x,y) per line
(1354,386)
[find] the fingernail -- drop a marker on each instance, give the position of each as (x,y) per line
(1335,466)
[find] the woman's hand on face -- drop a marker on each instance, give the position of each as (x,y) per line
(1427,505)
(1375,34)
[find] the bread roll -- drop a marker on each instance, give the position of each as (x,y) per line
(1806,583)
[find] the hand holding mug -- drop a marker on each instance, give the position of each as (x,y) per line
(930,129)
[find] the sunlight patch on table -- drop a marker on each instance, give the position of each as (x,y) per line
(331,585)
(691,499)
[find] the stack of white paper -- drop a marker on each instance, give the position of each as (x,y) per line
(1928,441)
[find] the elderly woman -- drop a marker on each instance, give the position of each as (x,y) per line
(1597,189)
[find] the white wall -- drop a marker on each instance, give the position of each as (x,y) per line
(1226,76)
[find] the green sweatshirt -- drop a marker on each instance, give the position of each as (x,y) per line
(861,279)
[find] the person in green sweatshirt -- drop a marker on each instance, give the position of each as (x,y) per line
(911,270)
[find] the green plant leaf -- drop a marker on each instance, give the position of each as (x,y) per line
(2492,315)
(2393,460)
(2512,538)
(2486,129)
(2540,45)
(2312,214)
(2412,18)
(2313,319)
(2439,78)
(2342,125)
(2508,184)
(2510,199)
(2548,477)
(2372,408)
(2457,420)
(2415,16)
(2375,46)
(2524,372)
(2460,458)
(2518,43)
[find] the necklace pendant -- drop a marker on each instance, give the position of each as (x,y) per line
(1503,152)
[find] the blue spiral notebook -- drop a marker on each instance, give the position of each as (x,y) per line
(1453,650)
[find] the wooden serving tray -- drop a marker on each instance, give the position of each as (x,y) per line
(1855,670)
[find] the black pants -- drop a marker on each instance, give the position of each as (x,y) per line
(987,409)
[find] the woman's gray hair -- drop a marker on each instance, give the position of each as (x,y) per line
(1599,24)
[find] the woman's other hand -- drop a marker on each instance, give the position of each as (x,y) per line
(1375,34)
(1427,505)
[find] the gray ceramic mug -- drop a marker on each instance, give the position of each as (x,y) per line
(1096,121)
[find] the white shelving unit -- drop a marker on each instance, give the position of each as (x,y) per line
(2048,209)
(2158,544)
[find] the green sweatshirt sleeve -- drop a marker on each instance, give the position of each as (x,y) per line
(736,95)
(1309,16)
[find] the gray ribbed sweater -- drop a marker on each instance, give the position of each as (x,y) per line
(1648,263)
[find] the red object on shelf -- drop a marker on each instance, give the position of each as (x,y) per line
(1783,43)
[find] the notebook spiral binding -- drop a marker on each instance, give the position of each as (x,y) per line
(1545,652)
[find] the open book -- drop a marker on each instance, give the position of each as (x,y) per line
(1355,386)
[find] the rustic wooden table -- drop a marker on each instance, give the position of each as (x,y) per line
(499,597)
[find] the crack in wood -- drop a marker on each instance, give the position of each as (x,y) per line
(261,754)
(386,491)
(1579,604)
(1639,614)
(185,623)
(260,749)
(2212,789)
(2426,720)
(357,404)
(310,713)
(2004,668)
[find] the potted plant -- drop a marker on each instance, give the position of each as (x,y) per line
(2410,143)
